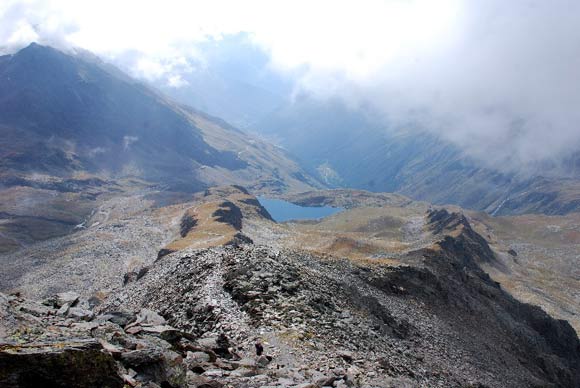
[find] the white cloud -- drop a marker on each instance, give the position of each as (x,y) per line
(499,78)
(24,21)
(504,87)
(177,81)
(326,35)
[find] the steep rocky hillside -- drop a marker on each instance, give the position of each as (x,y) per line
(408,324)
(75,130)
(201,317)
(536,255)
(539,256)
(126,234)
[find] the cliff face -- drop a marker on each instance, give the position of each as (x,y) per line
(553,343)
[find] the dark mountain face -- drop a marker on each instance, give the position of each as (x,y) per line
(351,149)
(75,114)
(347,148)
(74,130)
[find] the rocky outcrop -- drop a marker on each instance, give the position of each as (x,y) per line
(553,343)
(260,210)
(73,363)
(217,219)
(41,348)
(460,238)
(188,222)
(229,213)
(439,322)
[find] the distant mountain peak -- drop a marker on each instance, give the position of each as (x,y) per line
(78,105)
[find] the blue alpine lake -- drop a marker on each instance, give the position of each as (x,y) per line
(284,211)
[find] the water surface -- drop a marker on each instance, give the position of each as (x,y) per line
(284,211)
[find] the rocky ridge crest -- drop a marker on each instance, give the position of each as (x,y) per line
(195,317)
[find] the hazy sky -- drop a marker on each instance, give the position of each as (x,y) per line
(499,78)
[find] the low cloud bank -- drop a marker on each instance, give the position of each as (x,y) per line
(499,79)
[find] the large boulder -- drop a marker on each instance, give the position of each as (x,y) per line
(69,364)
(69,298)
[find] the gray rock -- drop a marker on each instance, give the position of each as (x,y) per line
(243,372)
(129,380)
(136,358)
(35,309)
(120,318)
(80,314)
(133,329)
(346,355)
(198,357)
(161,330)
(149,318)
(85,326)
(324,381)
(69,364)
(245,363)
(69,297)
(219,344)
(63,311)
(213,373)
(112,349)
(262,361)
(351,376)
(198,381)
(153,364)
(208,342)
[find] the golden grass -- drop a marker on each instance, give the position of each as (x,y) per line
(208,232)
(365,235)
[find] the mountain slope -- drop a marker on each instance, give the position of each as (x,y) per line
(348,148)
(390,292)
(73,128)
(83,115)
(233,79)
(432,319)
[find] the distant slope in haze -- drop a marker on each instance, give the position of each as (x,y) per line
(73,128)
(347,148)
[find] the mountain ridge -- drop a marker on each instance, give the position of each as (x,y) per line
(135,251)
(71,124)
(435,319)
